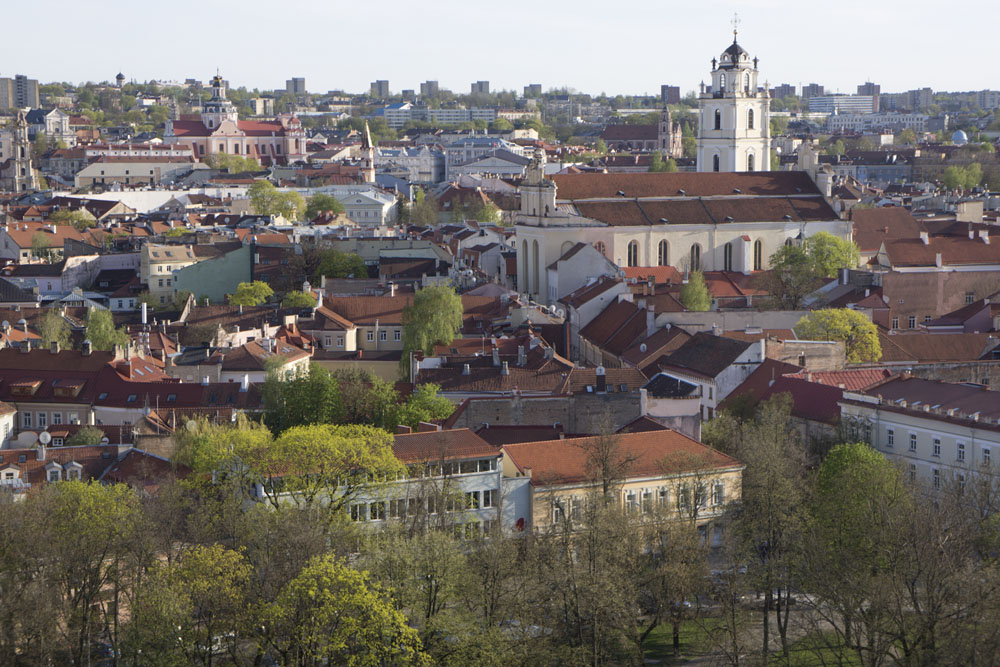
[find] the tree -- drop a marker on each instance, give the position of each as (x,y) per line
(829,253)
(298,300)
(101,331)
(332,614)
(53,328)
(79,218)
(423,405)
(251,294)
(434,317)
(312,398)
(323,203)
(424,210)
(501,125)
(336,264)
(656,163)
(268,200)
(907,137)
(790,280)
(601,146)
(695,295)
(835,148)
(858,332)
(488,213)
(88,436)
(234,164)
(41,246)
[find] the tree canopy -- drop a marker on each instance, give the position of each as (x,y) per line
(322,203)
(101,331)
(251,294)
(268,200)
(858,332)
(828,253)
(434,317)
(298,300)
(337,264)
(695,295)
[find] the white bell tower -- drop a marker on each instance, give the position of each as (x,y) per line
(735,129)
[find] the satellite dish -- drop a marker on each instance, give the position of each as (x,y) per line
(45,437)
(5,325)
(191,426)
(105,441)
(642,348)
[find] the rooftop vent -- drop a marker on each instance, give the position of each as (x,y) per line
(682,193)
(737,191)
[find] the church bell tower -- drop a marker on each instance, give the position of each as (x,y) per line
(735,127)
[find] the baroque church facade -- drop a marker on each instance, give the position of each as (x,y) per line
(218,129)
(17,174)
(731,216)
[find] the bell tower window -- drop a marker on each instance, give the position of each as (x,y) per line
(715,163)
(718,119)
(722,82)
(750,120)
(750,162)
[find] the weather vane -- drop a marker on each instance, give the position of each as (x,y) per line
(736,24)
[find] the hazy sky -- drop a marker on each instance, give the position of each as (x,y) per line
(613,46)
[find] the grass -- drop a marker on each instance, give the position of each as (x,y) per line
(816,650)
(659,645)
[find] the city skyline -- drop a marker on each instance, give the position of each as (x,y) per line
(454,46)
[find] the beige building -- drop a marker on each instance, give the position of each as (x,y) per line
(669,475)
(157,264)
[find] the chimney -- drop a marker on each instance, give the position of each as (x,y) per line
(204,380)
(245,383)
(972,232)
(527,471)
(241,309)
(505,369)
(716,329)
(427,427)
(938,261)
(466,370)
(86,348)
(650,320)
(984,236)
(392,289)
(40,452)
(54,347)
(402,429)
(496,356)
(549,353)
(602,380)
(208,353)
(26,348)
(925,238)
(522,357)
(145,314)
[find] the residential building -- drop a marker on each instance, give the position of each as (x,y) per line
(429,89)
(247,363)
(379,89)
(480,88)
(418,165)
(549,483)
(812,90)
(19,92)
(665,137)
(836,104)
(134,171)
(216,275)
(296,86)
(670,94)
(941,433)
(262,106)
(157,264)
(533,90)
(988,99)
(20,241)
(876,122)
(783,90)
(734,132)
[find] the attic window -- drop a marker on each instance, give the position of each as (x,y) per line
(105,455)
(623,388)
(171,398)
(22,458)
(130,399)
(103,395)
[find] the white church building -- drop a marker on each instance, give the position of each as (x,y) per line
(732,220)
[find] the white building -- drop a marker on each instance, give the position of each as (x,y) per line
(940,432)
(735,129)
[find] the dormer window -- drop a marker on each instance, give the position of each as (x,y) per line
(54,475)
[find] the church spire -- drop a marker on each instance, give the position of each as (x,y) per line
(367,156)
(366,139)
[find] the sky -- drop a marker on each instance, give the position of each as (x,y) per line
(619,46)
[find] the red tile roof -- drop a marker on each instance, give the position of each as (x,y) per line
(872,226)
(773,183)
(810,400)
(442,445)
(960,250)
(923,347)
(852,379)
(653,454)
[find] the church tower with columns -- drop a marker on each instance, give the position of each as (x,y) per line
(735,125)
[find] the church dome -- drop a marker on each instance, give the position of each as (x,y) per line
(960,138)
(733,56)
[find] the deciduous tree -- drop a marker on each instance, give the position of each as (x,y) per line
(859,334)
(251,294)
(101,331)
(434,317)
(695,295)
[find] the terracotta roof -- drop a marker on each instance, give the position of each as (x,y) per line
(959,250)
(664,341)
(642,424)
(852,379)
(960,316)
(773,183)
(662,275)
(872,226)
(615,378)
(143,470)
(925,347)
(810,400)
(964,400)
(93,461)
(500,435)
(584,294)
(442,445)
(22,233)
(654,453)
(617,328)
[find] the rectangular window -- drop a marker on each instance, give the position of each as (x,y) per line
(383,335)
(913,472)
(986,456)
(397,335)
(43,420)
(558,512)
(937,447)
(489,498)
(376,511)
(340,341)
(718,493)
(26,420)
(631,501)
(54,475)
(895,323)
(890,438)
(913,321)
(913,442)
(647,502)
(371,336)
(960,453)
(486,465)
(927,318)
(662,496)
(327,341)
(472,500)
(970,298)
(358,512)
(937,478)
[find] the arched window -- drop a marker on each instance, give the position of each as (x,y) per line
(749,119)
(718,119)
(525,275)
(633,253)
(534,267)
(663,253)
(722,82)
(746,82)
(750,162)
(601,248)
(715,163)
(727,257)
(696,257)
(758,255)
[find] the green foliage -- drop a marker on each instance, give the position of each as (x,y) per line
(88,436)
(336,264)
(835,148)
(332,614)
(907,137)
(829,253)
(53,328)
(424,405)
(268,200)
(251,294)
(658,164)
(779,125)
(488,214)
(298,300)
(79,219)
(695,295)
(956,177)
(312,398)
(857,331)
(601,146)
(424,210)
(41,246)
(434,317)
(233,164)
(101,331)
(323,203)
(501,125)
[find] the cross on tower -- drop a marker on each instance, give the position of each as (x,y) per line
(736,25)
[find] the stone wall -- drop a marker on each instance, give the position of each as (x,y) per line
(581,413)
